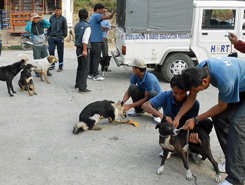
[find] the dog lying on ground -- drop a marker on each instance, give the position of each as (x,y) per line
(171,139)
(104,109)
(105,62)
(42,65)
(26,80)
(7,73)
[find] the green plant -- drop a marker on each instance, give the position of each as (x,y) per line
(110,4)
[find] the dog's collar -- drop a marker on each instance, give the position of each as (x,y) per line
(163,136)
(48,60)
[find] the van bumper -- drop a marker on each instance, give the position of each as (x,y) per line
(117,59)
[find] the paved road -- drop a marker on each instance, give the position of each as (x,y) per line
(37,145)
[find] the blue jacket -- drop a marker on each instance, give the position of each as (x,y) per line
(79,31)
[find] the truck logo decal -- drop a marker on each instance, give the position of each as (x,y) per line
(156,36)
(219,48)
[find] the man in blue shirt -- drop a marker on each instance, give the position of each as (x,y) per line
(97,40)
(105,26)
(143,86)
(228,75)
(171,102)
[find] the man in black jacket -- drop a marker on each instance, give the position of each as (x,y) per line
(57,32)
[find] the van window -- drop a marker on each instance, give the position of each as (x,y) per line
(218,19)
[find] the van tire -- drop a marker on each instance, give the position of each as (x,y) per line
(174,64)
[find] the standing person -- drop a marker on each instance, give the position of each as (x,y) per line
(227,75)
(105,26)
(143,86)
(171,102)
(97,40)
(57,32)
(35,27)
(82,42)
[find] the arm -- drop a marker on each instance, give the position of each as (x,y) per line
(238,44)
(104,17)
(28,26)
(85,40)
(46,23)
(136,104)
(64,27)
(147,106)
(220,107)
(190,100)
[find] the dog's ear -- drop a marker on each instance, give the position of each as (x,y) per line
(158,126)
(122,103)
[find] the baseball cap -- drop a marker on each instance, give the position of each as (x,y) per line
(35,15)
(138,62)
(58,7)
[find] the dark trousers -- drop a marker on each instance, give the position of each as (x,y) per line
(104,47)
(82,69)
(230,129)
(40,52)
(0,48)
(136,94)
(95,54)
(59,42)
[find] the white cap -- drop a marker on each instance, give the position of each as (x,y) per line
(138,62)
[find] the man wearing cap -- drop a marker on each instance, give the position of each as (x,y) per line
(97,40)
(143,86)
(57,32)
(35,27)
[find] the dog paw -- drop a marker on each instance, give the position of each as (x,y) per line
(48,82)
(35,93)
(160,170)
(217,178)
(188,175)
(97,128)
(31,94)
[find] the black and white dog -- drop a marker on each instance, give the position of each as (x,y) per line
(104,109)
(172,139)
(105,62)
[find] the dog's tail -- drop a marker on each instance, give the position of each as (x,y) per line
(80,127)
(21,57)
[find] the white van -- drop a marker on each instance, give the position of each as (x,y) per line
(175,35)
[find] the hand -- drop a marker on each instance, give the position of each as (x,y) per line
(126,107)
(41,18)
(233,38)
(32,19)
(169,119)
(194,138)
(189,124)
(104,28)
(113,12)
(85,54)
(175,123)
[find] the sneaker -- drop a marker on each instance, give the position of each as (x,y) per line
(98,78)
(49,74)
(133,113)
(37,74)
(59,70)
(90,76)
(85,91)
(156,119)
(222,167)
(225,182)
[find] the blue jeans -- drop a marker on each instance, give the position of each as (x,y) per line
(230,129)
(136,94)
(59,42)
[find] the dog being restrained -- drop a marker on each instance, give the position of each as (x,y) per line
(172,139)
(104,109)
(7,73)
(26,80)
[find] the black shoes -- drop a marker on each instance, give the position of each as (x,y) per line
(37,74)
(85,91)
(49,74)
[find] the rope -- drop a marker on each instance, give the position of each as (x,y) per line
(66,61)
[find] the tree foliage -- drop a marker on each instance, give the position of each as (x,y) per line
(89,4)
